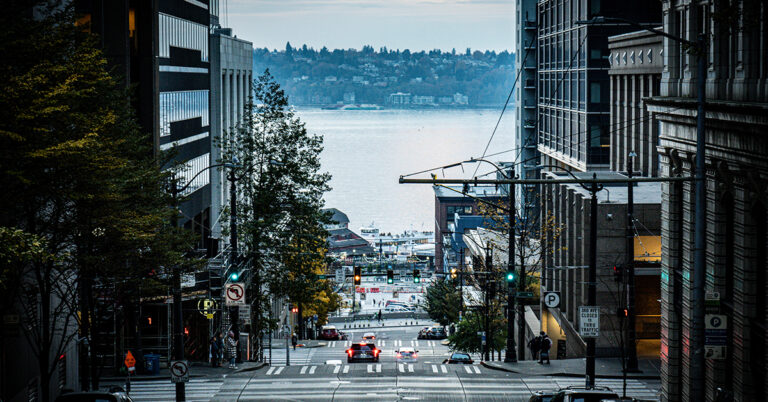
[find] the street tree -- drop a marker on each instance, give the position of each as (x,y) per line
(279,198)
(443,301)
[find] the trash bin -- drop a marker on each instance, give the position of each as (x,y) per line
(152,364)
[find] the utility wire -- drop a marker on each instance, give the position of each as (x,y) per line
(511,91)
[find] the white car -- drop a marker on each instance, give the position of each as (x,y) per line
(406,354)
(369,336)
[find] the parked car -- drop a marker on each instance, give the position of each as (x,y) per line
(406,354)
(436,333)
(577,394)
(363,351)
(343,336)
(369,336)
(115,394)
(459,358)
(329,333)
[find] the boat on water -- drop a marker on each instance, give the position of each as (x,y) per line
(406,244)
(363,106)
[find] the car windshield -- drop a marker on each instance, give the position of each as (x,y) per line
(365,348)
(591,397)
(460,356)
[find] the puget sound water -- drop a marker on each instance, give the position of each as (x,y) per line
(366,151)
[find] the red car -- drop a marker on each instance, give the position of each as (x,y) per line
(363,351)
(330,333)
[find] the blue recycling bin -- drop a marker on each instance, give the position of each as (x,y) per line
(152,364)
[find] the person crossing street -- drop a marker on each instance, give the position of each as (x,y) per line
(545,345)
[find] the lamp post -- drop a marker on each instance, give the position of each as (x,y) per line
(510,354)
(178,318)
(699,250)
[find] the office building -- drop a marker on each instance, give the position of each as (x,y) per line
(736,224)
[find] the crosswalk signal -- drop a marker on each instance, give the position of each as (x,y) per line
(453,273)
(416,276)
(390,277)
(358,276)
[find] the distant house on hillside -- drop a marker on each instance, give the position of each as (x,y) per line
(423,100)
(330,78)
(460,99)
(342,240)
(399,99)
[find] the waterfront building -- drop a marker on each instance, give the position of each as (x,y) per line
(526,98)
(736,221)
(399,99)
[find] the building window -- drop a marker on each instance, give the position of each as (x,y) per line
(757,336)
(594,92)
(183,34)
(182,105)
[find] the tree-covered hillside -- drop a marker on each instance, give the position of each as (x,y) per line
(423,79)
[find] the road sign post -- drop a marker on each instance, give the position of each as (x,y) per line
(235,294)
(552,299)
(589,321)
(179,371)
(715,336)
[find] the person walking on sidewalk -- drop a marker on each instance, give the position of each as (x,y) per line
(294,340)
(214,346)
(535,344)
(220,347)
(546,343)
(232,346)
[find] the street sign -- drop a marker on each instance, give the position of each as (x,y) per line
(130,362)
(207,307)
(525,294)
(715,336)
(589,321)
(245,313)
(235,294)
(552,299)
(340,275)
(179,371)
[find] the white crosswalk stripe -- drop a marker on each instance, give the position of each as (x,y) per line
(410,368)
(346,369)
(378,368)
(401,368)
(444,369)
(337,369)
(434,368)
(303,370)
(164,390)
(271,369)
(370,368)
(279,370)
(468,370)
(477,369)
(312,370)
(383,343)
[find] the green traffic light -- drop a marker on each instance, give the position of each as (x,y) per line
(416,280)
(390,281)
(510,276)
(233,276)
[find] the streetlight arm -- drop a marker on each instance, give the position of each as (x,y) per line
(179,190)
(473,160)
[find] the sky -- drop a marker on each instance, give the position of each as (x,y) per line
(397,24)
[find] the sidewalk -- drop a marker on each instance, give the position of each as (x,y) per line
(197,370)
(604,368)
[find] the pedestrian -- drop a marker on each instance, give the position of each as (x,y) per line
(294,340)
(214,347)
(232,346)
(535,344)
(220,347)
(379,315)
(546,343)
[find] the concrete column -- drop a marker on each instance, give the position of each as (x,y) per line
(225,105)
(232,100)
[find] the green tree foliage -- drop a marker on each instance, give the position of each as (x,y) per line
(466,339)
(84,179)
(443,302)
(280,198)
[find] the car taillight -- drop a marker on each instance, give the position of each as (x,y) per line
(349,352)
(398,354)
(376,352)
(415,355)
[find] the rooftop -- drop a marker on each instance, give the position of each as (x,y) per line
(474,191)
(613,193)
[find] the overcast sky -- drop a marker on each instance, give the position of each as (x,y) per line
(396,24)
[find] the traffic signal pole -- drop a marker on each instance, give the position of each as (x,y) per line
(631,345)
(592,280)
(509,353)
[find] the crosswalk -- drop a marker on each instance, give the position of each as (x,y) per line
(372,368)
(164,390)
(388,343)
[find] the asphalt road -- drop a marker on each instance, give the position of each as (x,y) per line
(314,376)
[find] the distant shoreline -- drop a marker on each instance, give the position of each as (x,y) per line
(384,107)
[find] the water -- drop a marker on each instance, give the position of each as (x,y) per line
(366,151)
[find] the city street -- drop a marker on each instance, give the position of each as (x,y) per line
(322,373)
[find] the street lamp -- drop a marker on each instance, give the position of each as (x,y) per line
(510,355)
(699,269)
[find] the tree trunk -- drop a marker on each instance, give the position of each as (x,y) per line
(45,341)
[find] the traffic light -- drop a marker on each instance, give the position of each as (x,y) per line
(511,277)
(622,312)
(453,273)
(234,276)
(618,273)
(294,309)
(358,276)
(390,277)
(416,276)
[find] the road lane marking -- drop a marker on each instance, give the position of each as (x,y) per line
(417,344)
(378,368)
(303,370)
(332,344)
(271,369)
(346,369)
(477,369)
(312,369)
(434,368)
(468,370)
(383,343)
(401,368)
(370,368)
(337,369)
(279,370)
(410,368)
(444,369)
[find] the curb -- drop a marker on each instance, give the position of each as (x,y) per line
(254,368)
(577,375)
